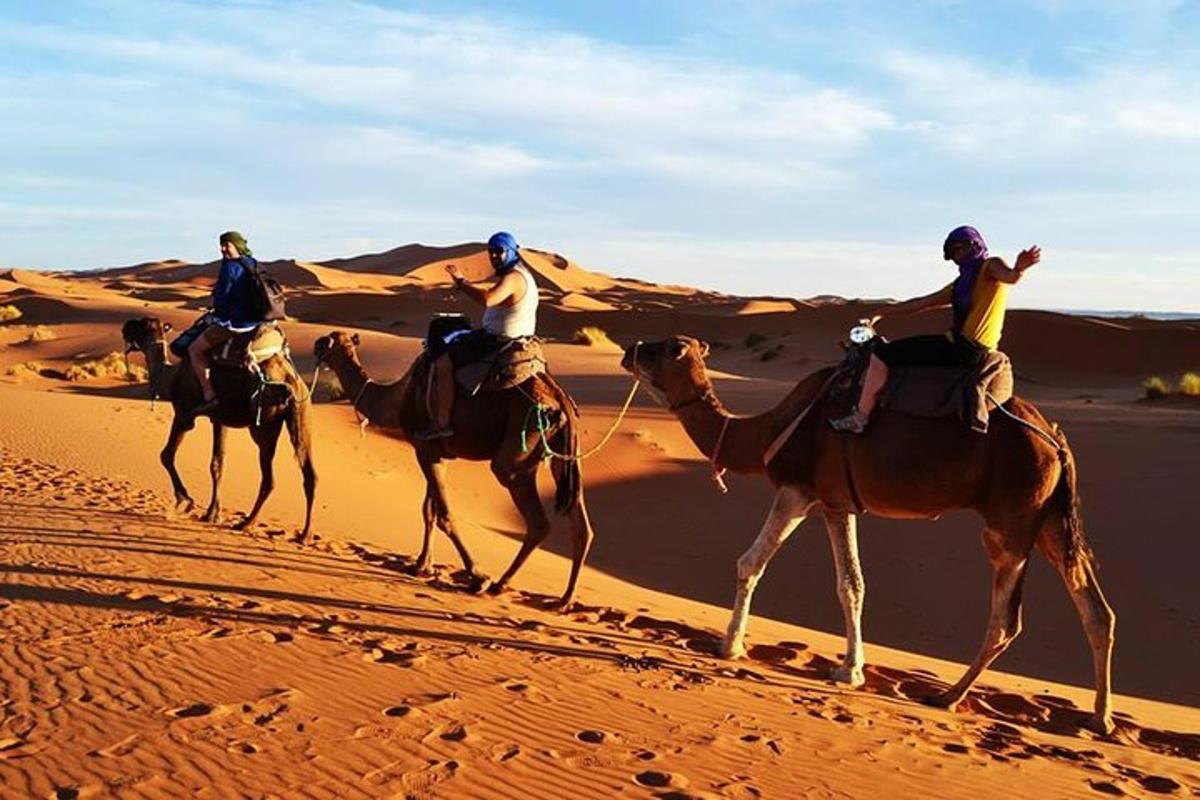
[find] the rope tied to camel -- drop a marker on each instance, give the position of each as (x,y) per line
(541,415)
(363,421)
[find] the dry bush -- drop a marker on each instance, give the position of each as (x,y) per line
(1155,388)
(26,369)
(112,366)
(591,336)
(9,313)
(41,333)
(1189,384)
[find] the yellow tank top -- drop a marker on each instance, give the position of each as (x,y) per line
(985,320)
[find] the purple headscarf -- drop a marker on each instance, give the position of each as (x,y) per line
(968,269)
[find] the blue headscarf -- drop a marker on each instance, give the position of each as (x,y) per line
(968,269)
(505,242)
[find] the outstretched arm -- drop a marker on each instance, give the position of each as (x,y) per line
(1006,274)
(487,294)
(939,299)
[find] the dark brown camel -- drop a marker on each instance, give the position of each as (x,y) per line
(487,427)
(903,467)
(178,383)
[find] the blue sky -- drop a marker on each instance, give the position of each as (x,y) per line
(792,147)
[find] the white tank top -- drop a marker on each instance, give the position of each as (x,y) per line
(516,320)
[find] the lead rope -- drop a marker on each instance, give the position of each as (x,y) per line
(363,421)
(718,473)
(312,389)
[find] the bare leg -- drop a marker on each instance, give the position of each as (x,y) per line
(267,439)
(873,383)
(1004,622)
(216,466)
(581,537)
(179,428)
(198,355)
(787,511)
(851,589)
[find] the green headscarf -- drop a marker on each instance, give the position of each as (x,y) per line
(238,241)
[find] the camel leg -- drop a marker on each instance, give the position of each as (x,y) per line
(581,542)
(1097,617)
(301,437)
(851,589)
(216,466)
(179,429)
(266,437)
(787,511)
(1004,621)
(435,477)
(523,490)
(429,517)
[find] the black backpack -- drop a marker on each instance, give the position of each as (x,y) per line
(268,296)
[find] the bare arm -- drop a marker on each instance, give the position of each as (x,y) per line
(1006,274)
(939,299)
(488,294)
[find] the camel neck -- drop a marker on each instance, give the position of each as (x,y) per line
(741,446)
(354,379)
(158,365)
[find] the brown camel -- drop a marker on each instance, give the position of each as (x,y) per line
(903,467)
(178,383)
(492,426)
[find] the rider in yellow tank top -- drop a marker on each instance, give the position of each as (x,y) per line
(978,298)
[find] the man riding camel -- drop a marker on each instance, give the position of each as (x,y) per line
(510,301)
(234,311)
(978,296)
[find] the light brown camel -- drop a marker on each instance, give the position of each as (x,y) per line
(490,426)
(178,383)
(903,467)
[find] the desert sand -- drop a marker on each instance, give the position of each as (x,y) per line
(146,654)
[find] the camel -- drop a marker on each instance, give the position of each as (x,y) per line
(903,467)
(178,383)
(489,426)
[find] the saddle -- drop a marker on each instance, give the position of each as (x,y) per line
(968,392)
(515,362)
(248,350)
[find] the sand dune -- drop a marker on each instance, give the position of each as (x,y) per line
(147,654)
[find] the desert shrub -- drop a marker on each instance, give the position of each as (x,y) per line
(25,370)
(112,365)
(591,336)
(41,333)
(1155,388)
(9,313)
(1189,384)
(753,340)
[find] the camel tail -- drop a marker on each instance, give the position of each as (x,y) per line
(1078,554)
(568,478)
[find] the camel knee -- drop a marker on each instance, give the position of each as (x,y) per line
(748,569)
(852,590)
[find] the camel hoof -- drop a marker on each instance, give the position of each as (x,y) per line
(733,650)
(210,516)
(478,584)
(300,537)
(496,589)
(1100,724)
(184,505)
(851,676)
(243,525)
(562,605)
(418,570)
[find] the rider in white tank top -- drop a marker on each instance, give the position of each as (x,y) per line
(516,320)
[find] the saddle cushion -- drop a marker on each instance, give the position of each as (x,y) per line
(951,391)
(517,361)
(254,346)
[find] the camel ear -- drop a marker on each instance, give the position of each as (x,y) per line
(678,349)
(354,339)
(704,349)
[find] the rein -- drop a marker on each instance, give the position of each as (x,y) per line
(363,421)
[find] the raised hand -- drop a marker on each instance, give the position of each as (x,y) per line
(1027,258)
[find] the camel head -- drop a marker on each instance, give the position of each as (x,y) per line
(138,333)
(675,365)
(336,344)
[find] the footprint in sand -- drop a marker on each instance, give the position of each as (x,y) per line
(399,711)
(591,737)
(192,710)
(655,779)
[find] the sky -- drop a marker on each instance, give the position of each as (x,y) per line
(781,147)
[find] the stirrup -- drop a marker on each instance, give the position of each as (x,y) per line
(854,422)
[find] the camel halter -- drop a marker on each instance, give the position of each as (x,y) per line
(363,421)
